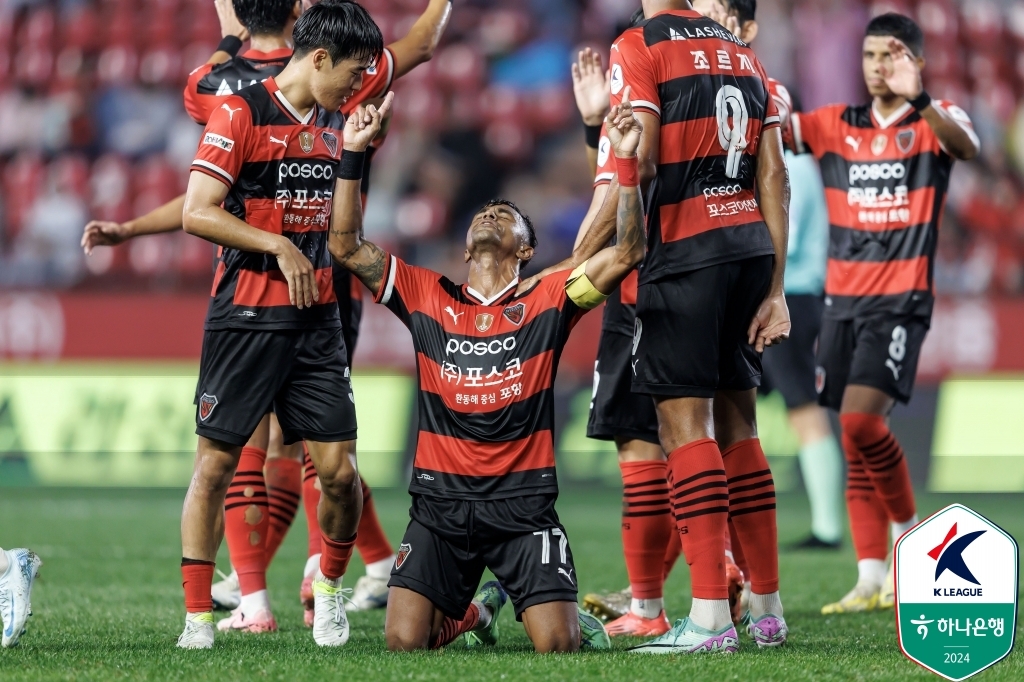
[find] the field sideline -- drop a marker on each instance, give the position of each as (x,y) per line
(109,604)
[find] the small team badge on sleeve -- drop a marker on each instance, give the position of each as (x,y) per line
(219,141)
(515,313)
(206,404)
(404,550)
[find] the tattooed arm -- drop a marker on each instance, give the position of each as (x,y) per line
(608,267)
(362,258)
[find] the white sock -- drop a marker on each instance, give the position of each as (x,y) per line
(899,529)
(381,570)
(4,563)
(761,604)
(312,566)
(710,614)
(485,615)
(251,603)
(729,556)
(871,571)
(646,608)
(321,578)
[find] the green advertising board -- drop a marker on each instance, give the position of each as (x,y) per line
(956,593)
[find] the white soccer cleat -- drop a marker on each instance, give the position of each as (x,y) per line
(198,632)
(686,637)
(370,594)
(330,623)
(16,593)
(226,593)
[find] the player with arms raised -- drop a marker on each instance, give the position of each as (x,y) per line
(484,484)
(886,169)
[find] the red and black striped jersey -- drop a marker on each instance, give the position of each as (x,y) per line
(885,185)
(209,84)
(711,94)
(280,170)
(486,373)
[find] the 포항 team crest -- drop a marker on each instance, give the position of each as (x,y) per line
(515,313)
(404,550)
(206,404)
(331,140)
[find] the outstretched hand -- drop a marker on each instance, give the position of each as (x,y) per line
(590,85)
(103,233)
(904,76)
(624,129)
(364,123)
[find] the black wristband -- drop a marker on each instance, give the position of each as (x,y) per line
(351,166)
(921,102)
(230,44)
(593,135)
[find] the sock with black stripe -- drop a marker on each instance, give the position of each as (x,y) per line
(646,529)
(246,521)
(752,512)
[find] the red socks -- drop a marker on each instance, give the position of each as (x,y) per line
(646,526)
(700,500)
(884,462)
(334,556)
(452,628)
(672,551)
(197,578)
(371,541)
(284,487)
(869,523)
(310,502)
(246,521)
(752,512)
(737,552)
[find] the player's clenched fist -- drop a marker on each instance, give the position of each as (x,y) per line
(364,123)
(624,128)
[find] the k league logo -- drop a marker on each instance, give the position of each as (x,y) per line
(956,593)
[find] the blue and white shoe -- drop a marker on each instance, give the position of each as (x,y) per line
(686,637)
(16,593)
(370,593)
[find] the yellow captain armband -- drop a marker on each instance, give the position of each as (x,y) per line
(581,290)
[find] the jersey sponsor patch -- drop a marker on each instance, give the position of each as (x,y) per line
(219,141)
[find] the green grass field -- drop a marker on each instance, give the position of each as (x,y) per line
(109,604)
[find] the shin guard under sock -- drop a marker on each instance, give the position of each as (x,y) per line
(284,492)
(752,512)
(646,526)
(869,522)
(247,520)
(884,462)
(197,579)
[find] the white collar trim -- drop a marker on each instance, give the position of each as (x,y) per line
(884,123)
(291,110)
(488,301)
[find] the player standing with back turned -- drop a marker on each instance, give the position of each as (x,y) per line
(886,170)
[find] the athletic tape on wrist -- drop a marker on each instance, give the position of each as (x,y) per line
(351,166)
(230,44)
(628,170)
(922,101)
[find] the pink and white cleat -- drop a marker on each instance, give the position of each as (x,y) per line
(261,621)
(686,637)
(768,631)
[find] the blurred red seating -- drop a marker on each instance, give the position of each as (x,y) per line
(38,28)
(33,65)
(459,67)
(69,174)
(160,66)
(110,185)
(79,27)
(939,22)
(23,180)
(982,23)
(117,65)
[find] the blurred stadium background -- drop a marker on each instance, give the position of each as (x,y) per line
(98,355)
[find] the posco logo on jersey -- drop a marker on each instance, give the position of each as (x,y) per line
(480,347)
(877,171)
(319,171)
(724,191)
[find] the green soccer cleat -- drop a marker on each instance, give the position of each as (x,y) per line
(592,632)
(491,597)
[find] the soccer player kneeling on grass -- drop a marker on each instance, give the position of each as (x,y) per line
(484,485)
(261,187)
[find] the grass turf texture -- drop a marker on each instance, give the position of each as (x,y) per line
(109,605)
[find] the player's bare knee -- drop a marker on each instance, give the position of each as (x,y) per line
(557,642)
(340,481)
(405,637)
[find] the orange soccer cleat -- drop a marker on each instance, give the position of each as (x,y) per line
(632,625)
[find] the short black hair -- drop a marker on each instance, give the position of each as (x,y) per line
(531,234)
(342,27)
(637,18)
(746,10)
(264,17)
(901,28)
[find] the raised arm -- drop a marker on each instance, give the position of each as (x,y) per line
(609,266)
(590,87)
(904,79)
(364,259)
(166,218)
(419,43)
(771,322)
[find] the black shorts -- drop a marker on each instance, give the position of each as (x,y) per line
(301,375)
(789,367)
(880,351)
(615,411)
(449,543)
(691,330)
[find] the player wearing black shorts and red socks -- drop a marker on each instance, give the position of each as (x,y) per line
(709,300)
(886,169)
(484,483)
(261,187)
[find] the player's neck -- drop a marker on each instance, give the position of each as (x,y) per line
(294,85)
(489,275)
(268,43)
(885,106)
(652,7)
